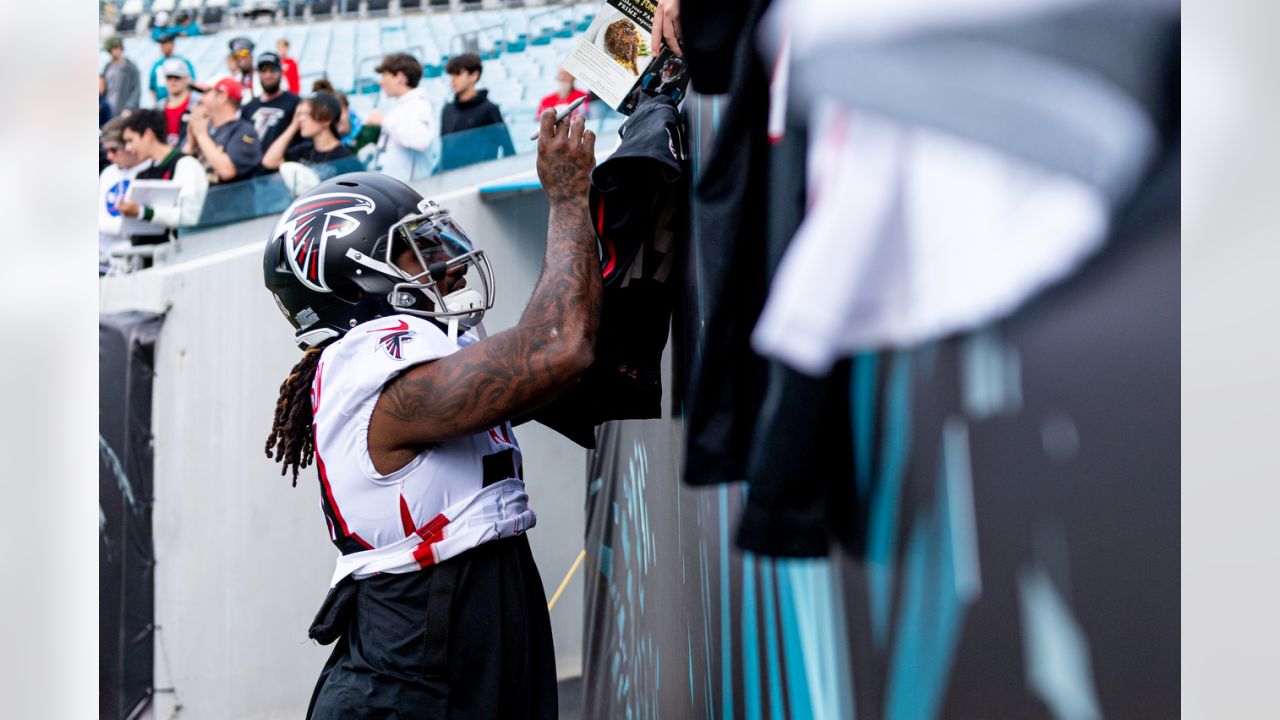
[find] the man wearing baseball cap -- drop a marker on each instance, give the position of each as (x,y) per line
(156,79)
(177,103)
(241,61)
(227,145)
(272,111)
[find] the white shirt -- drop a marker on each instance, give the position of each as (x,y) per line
(409,132)
(450,498)
(193,186)
(113,185)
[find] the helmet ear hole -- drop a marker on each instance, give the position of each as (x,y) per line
(282,264)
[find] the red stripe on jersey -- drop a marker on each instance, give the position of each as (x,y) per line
(406,517)
(608,244)
(430,533)
(333,503)
(316,384)
(424,555)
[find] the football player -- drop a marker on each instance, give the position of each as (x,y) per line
(404,405)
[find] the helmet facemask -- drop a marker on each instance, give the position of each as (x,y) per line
(450,281)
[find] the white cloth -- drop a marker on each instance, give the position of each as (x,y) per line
(193,186)
(409,132)
(498,511)
(113,184)
(451,497)
(913,235)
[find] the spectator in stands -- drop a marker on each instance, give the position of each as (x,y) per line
(227,145)
(292,82)
(113,185)
(241,64)
(564,94)
(124,83)
(408,128)
(470,111)
(144,133)
(156,78)
(184,24)
(160,26)
(272,111)
(349,125)
(177,104)
(315,127)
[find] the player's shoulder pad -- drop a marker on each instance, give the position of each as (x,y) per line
(400,340)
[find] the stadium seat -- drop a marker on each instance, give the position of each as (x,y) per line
(214,10)
(321,8)
(377,7)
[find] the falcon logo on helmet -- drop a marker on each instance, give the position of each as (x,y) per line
(310,224)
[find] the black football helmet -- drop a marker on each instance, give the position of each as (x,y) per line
(332,260)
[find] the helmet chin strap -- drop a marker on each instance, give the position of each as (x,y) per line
(459,302)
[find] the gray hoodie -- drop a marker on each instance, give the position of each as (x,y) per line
(124,85)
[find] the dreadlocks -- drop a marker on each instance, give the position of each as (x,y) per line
(291,440)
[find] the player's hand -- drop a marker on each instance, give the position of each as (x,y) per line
(374,117)
(566,156)
(128,208)
(666,27)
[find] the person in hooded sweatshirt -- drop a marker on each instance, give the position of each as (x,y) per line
(471,127)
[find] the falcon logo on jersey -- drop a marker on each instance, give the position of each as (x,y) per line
(397,335)
(308,226)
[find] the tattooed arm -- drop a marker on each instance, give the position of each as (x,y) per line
(515,371)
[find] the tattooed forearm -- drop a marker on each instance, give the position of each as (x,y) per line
(520,369)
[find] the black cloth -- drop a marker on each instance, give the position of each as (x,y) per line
(484,137)
(711,35)
(305,152)
(727,238)
(639,207)
(162,170)
(271,117)
(239,140)
(468,639)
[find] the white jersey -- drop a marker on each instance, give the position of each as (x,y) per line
(452,497)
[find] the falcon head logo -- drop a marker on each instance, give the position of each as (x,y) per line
(308,226)
(397,335)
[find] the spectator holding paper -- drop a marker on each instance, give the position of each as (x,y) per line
(144,135)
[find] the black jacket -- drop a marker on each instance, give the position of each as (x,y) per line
(483,134)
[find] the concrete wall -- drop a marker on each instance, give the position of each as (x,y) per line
(243,558)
